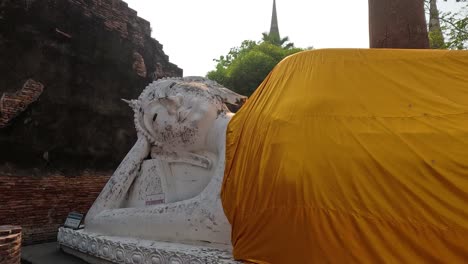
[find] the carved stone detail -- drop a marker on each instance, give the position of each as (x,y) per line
(134,251)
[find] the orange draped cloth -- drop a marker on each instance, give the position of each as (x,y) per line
(352,156)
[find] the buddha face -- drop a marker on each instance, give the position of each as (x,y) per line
(178,122)
(178,114)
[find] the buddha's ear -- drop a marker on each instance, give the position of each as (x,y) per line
(134,104)
(172,103)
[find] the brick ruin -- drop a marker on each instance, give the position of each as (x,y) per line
(11,105)
(65,66)
(87,55)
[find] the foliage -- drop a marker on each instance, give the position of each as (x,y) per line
(275,40)
(436,40)
(245,67)
(454,27)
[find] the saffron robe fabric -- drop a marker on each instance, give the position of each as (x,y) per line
(352,156)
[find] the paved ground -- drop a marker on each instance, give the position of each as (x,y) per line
(47,253)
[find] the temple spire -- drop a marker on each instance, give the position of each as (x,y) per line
(274,30)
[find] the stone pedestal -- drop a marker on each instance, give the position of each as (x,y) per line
(10,244)
(99,249)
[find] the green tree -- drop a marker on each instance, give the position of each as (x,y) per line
(275,40)
(245,67)
(436,37)
(452,25)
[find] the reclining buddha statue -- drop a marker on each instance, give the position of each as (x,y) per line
(168,186)
(340,156)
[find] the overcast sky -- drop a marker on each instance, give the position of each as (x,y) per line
(193,33)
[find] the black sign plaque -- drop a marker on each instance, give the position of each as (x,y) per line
(74,220)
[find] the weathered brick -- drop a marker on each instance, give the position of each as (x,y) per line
(10,244)
(41,211)
(12,105)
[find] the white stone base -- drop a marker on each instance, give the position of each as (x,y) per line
(95,248)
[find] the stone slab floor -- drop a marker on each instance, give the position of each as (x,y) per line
(47,253)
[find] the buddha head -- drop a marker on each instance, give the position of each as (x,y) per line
(177,114)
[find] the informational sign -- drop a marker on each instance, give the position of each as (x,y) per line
(74,220)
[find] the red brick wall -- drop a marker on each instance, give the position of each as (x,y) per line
(40,205)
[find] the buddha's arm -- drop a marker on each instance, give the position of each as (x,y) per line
(117,187)
(196,219)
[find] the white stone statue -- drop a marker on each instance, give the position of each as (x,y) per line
(168,186)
